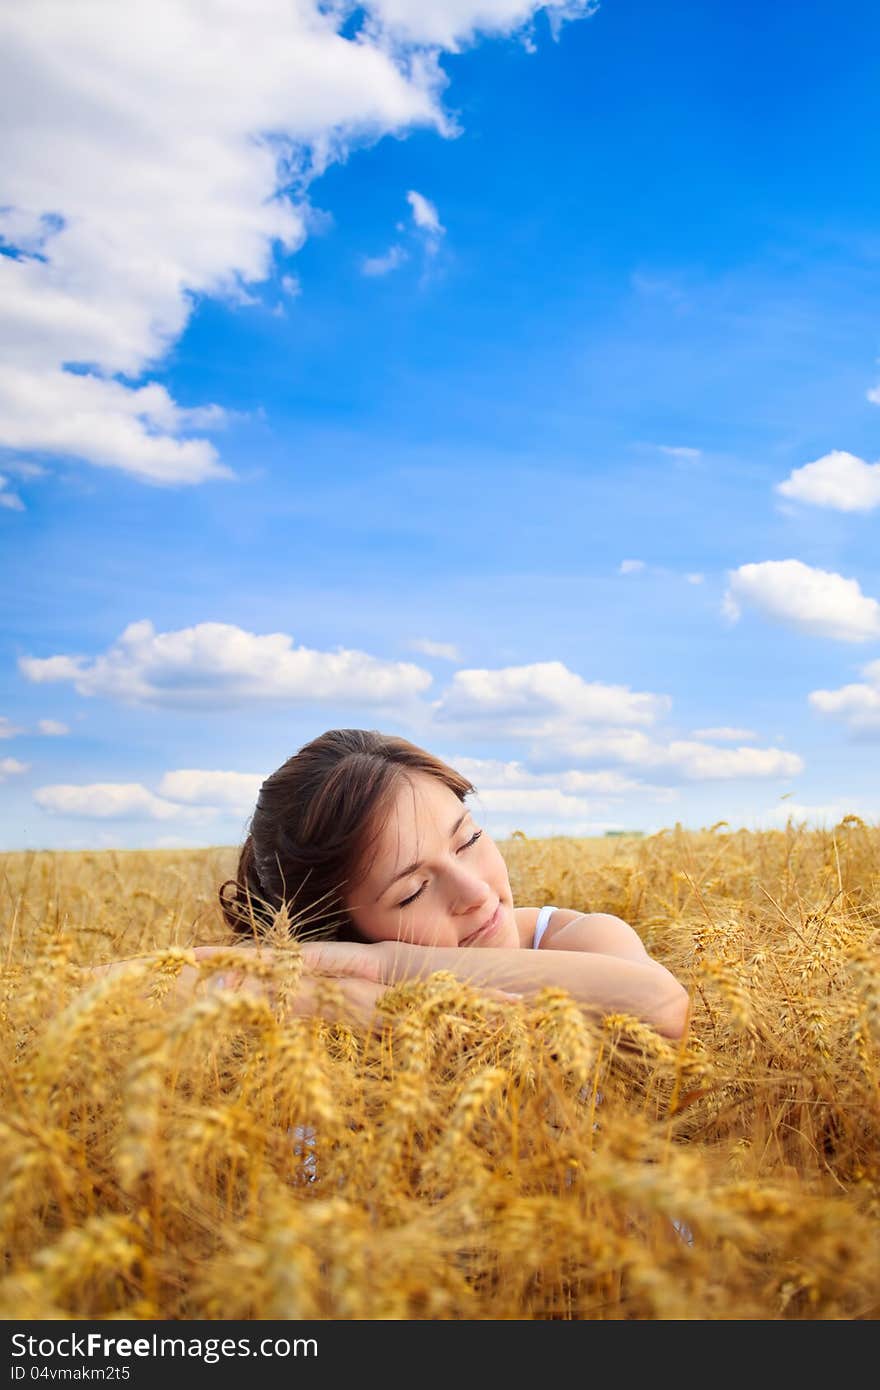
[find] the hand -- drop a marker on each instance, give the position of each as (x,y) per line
(340,980)
(337,998)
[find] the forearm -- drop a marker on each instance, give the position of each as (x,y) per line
(601,984)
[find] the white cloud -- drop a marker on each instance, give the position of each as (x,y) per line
(725,733)
(53,728)
(214,665)
(837,480)
(7,729)
(511,797)
(552,705)
(154,154)
(857,706)
(20,468)
(703,763)
(107,801)
(541,812)
(604,783)
(637,566)
(680,452)
(104,422)
(816,601)
(236,791)
(444,650)
(500,775)
(451,23)
(535,700)
(568,800)
(11,767)
(425,215)
(382,265)
(428,228)
(427,223)
(692,760)
(187,795)
(52,668)
(822,816)
(10,500)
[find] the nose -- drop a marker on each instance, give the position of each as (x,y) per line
(474,892)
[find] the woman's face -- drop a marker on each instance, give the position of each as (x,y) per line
(460,880)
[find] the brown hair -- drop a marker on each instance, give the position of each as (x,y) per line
(315,820)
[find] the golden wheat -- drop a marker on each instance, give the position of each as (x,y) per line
(171,1147)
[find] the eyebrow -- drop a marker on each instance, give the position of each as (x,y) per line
(417,863)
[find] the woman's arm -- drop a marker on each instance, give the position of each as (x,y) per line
(600,983)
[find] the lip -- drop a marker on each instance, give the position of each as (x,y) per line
(485,929)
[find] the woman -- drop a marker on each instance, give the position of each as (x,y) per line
(365,839)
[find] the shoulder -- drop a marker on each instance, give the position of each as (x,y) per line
(527,920)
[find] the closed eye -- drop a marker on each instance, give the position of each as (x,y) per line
(471,841)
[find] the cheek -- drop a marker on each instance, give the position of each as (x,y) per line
(414,928)
(369,930)
(428,933)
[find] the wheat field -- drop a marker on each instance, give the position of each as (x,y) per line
(476,1159)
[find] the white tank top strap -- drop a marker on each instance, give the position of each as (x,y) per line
(541,925)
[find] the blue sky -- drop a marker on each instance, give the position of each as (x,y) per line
(508,388)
